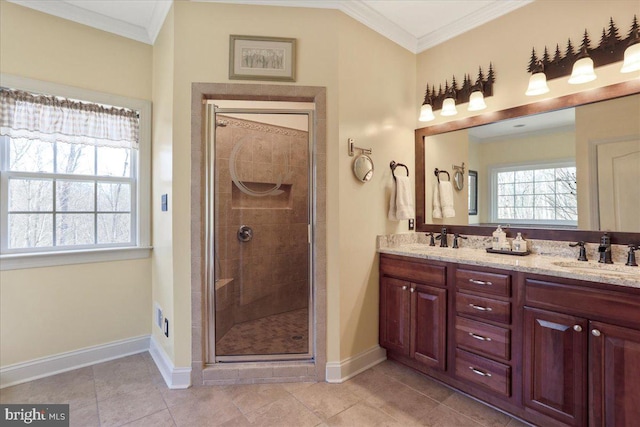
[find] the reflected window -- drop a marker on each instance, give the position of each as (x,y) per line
(534,194)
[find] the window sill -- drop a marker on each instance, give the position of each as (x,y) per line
(51,259)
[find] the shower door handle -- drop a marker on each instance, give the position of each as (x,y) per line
(245,233)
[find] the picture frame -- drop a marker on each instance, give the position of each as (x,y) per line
(473,192)
(262,58)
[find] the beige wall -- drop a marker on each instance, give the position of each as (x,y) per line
(507,43)
(46,311)
(375,107)
(162,179)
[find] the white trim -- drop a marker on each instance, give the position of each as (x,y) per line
(65,10)
(63,362)
(176,378)
(338,372)
(52,259)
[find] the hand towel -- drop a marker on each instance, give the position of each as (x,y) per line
(446,199)
(401,201)
(437,208)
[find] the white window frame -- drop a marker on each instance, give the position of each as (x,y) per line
(493,191)
(141,247)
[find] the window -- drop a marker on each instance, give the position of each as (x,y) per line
(535,194)
(71,178)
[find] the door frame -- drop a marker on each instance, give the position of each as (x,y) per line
(289,371)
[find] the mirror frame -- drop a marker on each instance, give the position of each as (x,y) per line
(582,98)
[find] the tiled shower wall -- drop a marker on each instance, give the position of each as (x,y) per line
(269,274)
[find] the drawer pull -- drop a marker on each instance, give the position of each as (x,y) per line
(480,282)
(479,372)
(480,308)
(479,337)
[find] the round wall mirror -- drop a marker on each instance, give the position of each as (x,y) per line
(458,180)
(363,168)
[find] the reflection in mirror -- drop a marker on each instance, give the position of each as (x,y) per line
(363,168)
(575,168)
(473,193)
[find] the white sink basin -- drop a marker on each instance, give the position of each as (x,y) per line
(597,268)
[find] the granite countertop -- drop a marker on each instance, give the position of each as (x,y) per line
(551,265)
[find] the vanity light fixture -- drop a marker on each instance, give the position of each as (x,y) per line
(632,52)
(447,98)
(538,80)
(476,99)
(611,48)
(449,105)
(426,111)
(582,69)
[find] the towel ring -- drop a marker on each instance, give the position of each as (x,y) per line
(393,165)
(437,173)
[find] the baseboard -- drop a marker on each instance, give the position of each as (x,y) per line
(176,378)
(338,372)
(63,362)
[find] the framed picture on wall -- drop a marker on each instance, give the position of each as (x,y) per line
(262,58)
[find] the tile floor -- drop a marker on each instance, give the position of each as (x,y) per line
(275,334)
(131,392)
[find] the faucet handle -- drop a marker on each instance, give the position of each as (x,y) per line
(631,257)
(431,239)
(457,236)
(583,251)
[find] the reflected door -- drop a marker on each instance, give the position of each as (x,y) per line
(262,235)
(618,186)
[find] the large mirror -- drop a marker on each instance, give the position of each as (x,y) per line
(572,164)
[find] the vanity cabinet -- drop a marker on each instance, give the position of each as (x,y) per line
(581,353)
(413,311)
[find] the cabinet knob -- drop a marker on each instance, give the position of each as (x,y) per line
(404,288)
(413,289)
(577,328)
(595,332)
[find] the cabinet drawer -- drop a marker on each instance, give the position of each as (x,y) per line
(413,271)
(483,308)
(481,281)
(483,338)
(484,372)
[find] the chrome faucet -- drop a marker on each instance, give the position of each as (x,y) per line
(443,238)
(605,249)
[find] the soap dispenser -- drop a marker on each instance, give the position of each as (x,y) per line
(519,244)
(499,237)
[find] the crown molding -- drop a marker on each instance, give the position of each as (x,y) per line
(469,22)
(68,11)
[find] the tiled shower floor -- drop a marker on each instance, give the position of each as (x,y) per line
(280,333)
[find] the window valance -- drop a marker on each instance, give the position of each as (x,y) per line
(52,118)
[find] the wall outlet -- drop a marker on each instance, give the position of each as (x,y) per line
(166,328)
(412,224)
(164,202)
(158,315)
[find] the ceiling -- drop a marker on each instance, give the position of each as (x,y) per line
(413,24)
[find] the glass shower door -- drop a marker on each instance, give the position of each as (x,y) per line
(261,235)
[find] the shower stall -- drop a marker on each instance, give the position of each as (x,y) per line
(259,226)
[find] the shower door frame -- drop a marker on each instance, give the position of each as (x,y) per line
(209,256)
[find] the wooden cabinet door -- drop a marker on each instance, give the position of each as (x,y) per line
(429,325)
(614,371)
(395,309)
(555,365)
